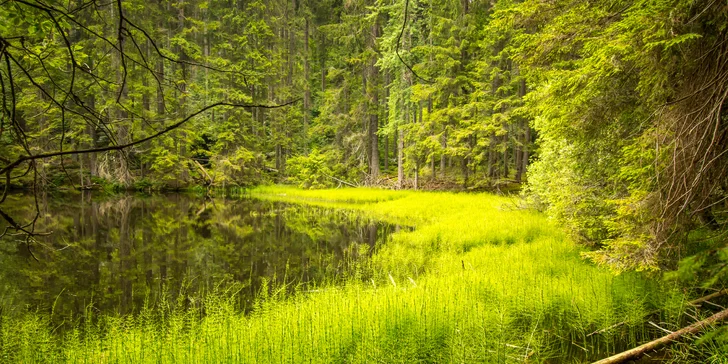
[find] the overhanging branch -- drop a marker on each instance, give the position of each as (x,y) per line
(169,128)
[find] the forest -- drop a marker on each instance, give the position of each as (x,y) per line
(600,125)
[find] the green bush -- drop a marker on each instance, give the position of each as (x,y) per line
(312,171)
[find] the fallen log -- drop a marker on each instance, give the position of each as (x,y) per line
(204,172)
(341,181)
(694,302)
(665,340)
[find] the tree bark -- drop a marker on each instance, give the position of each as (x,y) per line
(518,155)
(373,92)
(91,131)
(386,118)
(373,130)
(523,136)
(122,131)
(526,148)
(465,172)
(322,55)
(491,158)
(400,151)
(307,87)
(443,144)
(505,156)
(182,135)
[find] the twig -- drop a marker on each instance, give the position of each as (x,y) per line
(399,40)
(663,329)
(341,181)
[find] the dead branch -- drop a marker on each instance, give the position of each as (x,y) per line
(694,302)
(341,181)
(204,172)
(665,340)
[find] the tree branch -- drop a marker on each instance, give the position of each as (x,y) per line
(169,128)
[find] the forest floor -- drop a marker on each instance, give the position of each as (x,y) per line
(468,278)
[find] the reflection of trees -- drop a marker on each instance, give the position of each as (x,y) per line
(115,253)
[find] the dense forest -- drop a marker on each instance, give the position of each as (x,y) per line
(612,110)
(602,125)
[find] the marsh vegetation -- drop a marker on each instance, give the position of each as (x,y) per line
(287,275)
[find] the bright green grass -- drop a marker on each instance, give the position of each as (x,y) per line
(476,281)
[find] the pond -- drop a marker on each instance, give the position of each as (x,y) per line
(116,254)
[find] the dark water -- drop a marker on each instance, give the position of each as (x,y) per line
(116,254)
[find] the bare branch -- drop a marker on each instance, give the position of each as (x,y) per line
(169,128)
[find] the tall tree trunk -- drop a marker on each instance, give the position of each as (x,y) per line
(160,91)
(122,131)
(386,153)
(466,171)
(374,145)
(181,134)
(322,55)
(91,132)
(373,96)
(278,158)
(432,166)
(518,155)
(526,137)
(80,171)
(374,126)
(505,156)
(443,145)
(307,87)
(400,151)
(526,148)
(492,169)
(291,44)
(161,108)
(146,107)
(432,132)
(386,118)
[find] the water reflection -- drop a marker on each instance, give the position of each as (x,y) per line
(113,253)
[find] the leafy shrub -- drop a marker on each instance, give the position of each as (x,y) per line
(311,171)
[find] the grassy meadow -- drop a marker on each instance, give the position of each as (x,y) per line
(468,278)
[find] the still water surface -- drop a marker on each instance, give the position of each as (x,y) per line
(116,254)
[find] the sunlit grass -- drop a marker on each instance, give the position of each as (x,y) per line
(447,224)
(477,280)
(346,195)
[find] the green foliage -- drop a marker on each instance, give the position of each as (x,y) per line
(266,53)
(311,171)
(621,97)
(602,75)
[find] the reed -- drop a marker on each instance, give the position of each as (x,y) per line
(476,280)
